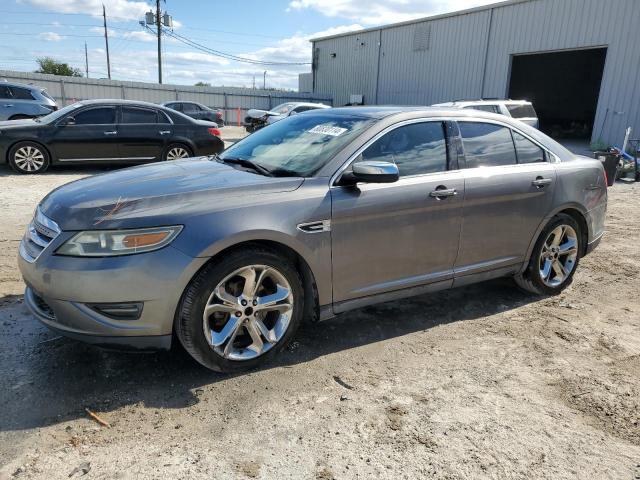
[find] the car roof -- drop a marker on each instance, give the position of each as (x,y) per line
(306,104)
(119,101)
(410,112)
(22,85)
(486,101)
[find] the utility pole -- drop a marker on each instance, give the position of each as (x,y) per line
(254,81)
(86,60)
(106,41)
(159,26)
(264,80)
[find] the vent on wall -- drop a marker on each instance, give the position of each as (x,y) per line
(421,37)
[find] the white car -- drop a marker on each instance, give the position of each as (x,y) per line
(519,109)
(257,119)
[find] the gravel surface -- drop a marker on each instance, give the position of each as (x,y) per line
(478,382)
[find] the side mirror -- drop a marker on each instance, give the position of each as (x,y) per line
(69,121)
(371,172)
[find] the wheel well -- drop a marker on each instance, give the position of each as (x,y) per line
(44,147)
(182,144)
(582,223)
(312,307)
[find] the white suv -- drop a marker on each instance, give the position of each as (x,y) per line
(519,109)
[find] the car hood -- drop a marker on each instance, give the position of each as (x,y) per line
(11,124)
(158,194)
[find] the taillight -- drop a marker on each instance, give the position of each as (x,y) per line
(214,131)
(219,114)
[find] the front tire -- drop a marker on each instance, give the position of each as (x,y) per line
(28,158)
(554,259)
(241,310)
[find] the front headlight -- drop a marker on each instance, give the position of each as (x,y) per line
(107,243)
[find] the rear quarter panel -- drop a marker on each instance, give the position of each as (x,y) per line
(581,185)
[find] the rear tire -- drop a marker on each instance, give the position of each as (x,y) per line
(554,259)
(176,151)
(29,158)
(248,321)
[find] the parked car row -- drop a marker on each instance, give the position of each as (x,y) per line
(312,216)
(105,131)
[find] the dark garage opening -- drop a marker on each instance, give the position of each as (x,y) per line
(564,88)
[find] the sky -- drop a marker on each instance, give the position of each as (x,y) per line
(266,30)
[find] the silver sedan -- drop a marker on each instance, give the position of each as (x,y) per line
(310,217)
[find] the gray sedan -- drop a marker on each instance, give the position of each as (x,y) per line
(315,215)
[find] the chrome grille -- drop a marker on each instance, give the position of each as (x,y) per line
(40,233)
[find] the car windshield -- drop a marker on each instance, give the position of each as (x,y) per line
(298,145)
(53,116)
(282,108)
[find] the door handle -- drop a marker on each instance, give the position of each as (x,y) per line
(111,133)
(541,182)
(164,132)
(439,193)
(9,105)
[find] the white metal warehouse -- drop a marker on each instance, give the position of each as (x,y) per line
(578,61)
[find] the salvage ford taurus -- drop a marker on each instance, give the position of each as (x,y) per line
(315,215)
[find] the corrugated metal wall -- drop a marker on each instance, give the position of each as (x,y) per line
(234,101)
(469,56)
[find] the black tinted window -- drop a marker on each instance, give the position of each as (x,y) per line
(487,145)
(4,92)
(96,116)
(528,152)
(484,108)
(417,149)
(190,107)
(21,93)
(163,118)
(138,115)
(521,111)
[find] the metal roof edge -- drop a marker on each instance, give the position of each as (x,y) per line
(466,11)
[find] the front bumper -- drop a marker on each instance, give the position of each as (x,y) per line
(62,292)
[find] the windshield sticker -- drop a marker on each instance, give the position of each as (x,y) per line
(328,130)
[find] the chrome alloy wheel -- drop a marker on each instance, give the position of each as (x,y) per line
(29,158)
(558,256)
(248,312)
(177,153)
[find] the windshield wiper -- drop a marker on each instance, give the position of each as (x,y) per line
(243,162)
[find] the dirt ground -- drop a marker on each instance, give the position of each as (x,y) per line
(478,382)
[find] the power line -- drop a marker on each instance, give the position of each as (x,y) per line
(226,55)
(61,34)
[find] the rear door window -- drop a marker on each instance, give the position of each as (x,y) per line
(521,110)
(528,152)
(190,107)
(487,145)
(416,149)
(96,116)
(484,108)
(21,93)
(138,115)
(5,92)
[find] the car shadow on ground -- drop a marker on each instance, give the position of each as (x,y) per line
(48,379)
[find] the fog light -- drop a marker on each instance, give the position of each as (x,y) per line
(118,311)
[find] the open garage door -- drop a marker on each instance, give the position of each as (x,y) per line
(563,86)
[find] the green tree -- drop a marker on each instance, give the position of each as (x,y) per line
(49,65)
(202,84)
